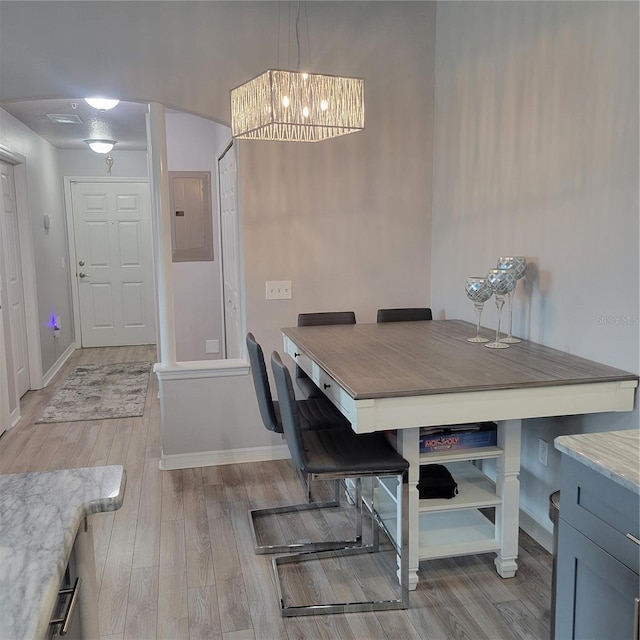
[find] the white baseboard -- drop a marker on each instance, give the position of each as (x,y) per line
(14,417)
(58,364)
(217,458)
(542,534)
(16,414)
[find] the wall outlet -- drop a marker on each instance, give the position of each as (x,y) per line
(543,452)
(212,346)
(278,289)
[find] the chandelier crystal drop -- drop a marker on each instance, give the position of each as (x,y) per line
(296,106)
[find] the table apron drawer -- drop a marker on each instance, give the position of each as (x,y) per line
(330,387)
(322,379)
(301,359)
(604,510)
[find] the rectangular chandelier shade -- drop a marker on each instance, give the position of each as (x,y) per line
(297,107)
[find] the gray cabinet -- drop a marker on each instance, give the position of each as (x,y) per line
(598,557)
(80,576)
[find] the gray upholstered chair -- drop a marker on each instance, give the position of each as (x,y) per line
(305,384)
(410,314)
(315,413)
(342,454)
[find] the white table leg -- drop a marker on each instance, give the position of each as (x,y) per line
(408,446)
(508,488)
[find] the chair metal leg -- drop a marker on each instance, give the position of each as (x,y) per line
(402,553)
(307,545)
(306,483)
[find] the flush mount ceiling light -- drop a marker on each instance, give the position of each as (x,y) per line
(297,106)
(104,104)
(101,146)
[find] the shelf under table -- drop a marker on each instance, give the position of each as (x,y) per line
(475,490)
(455,533)
(456,455)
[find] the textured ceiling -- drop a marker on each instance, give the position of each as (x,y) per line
(125,123)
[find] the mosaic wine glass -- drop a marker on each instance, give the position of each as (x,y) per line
(478,291)
(519,265)
(501,281)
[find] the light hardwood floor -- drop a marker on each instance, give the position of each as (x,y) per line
(177,562)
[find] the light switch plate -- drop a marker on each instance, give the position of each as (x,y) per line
(278,289)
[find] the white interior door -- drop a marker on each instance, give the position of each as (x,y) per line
(114,262)
(230,241)
(15,318)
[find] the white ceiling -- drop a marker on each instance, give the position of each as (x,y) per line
(125,123)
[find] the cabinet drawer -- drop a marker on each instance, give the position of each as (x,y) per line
(601,509)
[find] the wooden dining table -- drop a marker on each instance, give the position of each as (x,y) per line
(403,376)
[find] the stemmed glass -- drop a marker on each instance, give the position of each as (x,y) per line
(478,291)
(501,281)
(518,265)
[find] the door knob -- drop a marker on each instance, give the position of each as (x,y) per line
(82,274)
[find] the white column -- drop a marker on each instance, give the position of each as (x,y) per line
(161,221)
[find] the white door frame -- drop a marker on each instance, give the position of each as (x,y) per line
(19,348)
(28,263)
(73,260)
(222,150)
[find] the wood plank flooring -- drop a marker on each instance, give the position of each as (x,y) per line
(176,562)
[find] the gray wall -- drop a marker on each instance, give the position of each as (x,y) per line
(192,143)
(536,154)
(45,196)
(348,221)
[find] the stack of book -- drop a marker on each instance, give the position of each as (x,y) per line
(459,436)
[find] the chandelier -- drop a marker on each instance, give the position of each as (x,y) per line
(296,106)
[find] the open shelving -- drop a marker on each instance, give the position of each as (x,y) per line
(456,526)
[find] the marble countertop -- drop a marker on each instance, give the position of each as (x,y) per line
(614,454)
(40,514)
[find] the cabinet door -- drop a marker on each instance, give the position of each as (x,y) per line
(595,592)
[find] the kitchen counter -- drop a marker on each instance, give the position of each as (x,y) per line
(40,515)
(614,454)
(598,554)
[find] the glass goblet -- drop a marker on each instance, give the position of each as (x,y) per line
(519,265)
(478,291)
(501,281)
